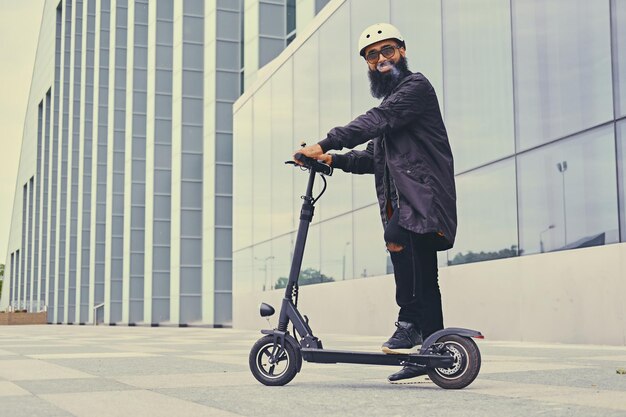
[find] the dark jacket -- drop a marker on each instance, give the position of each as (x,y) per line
(409,141)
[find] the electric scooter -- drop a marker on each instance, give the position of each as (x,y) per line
(450,356)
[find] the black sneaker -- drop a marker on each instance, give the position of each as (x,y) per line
(406,373)
(404,339)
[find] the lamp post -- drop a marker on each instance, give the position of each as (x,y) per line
(541,237)
(265,286)
(562,167)
(343,262)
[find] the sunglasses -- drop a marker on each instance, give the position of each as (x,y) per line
(388,51)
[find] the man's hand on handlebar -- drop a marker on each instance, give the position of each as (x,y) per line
(315,152)
(326,158)
(312,151)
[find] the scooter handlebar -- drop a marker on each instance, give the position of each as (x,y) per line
(313,164)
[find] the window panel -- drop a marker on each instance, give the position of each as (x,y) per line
(161,284)
(223,272)
(163,55)
(165,9)
(191,194)
(193,29)
(283,144)
(191,222)
(193,7)
(271,19)
(269,49)
(224,308)
(562,69)
(227,85)
(368,11)
(192,166)
(193,84)
(223,179)
(621,169)
(228,25)
(567,194)
(161,259)
(334,102)
(164,81)
(141,35)
(162,230)
(162,158)
(192,138)
(229,55)
(282,253)
(190,309)
(136,265)
(224,249)
(193,111)
(336,253)
(190,251)
(477,46)
(242,280)
(487,225)
(193,56)
(242,178)
(261,149)
(162,207)
(139,192)
(619,59)
(311,263)
(190,280)
(370,255)
(224,117)
(262,277)
(306,101)
(223,147)
(223,211)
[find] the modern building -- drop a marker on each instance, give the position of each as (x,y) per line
(534,99)
(123,203)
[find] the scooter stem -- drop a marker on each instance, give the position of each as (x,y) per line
(306,216)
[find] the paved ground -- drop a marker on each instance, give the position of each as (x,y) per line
(137,371)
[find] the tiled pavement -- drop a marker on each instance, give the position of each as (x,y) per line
(141,371)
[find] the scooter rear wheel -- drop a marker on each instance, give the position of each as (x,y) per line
(274,365)
(466,363)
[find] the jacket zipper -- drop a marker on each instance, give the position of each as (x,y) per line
(385,182)
(412,261)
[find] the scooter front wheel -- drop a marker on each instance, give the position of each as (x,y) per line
(466,363)
(274,364)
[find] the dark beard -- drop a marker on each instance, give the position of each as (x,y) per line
(382,84)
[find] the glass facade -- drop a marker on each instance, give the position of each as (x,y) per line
(532,94)
(126,216)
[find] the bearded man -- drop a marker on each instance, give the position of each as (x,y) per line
(409,154)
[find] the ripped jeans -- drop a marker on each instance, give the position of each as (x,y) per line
(415,271)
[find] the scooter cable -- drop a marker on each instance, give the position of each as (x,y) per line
(323,189)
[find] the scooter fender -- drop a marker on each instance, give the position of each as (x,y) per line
(430,340)
(278,335)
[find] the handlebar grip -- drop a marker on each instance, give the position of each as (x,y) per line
(313,164)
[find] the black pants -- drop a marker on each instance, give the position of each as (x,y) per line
(415,271)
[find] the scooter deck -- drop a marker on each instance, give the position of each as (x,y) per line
(366,358)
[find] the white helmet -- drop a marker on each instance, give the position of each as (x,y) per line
(379,32)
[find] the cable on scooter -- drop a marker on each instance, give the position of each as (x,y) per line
(323,190)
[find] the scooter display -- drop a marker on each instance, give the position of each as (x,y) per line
(450,356)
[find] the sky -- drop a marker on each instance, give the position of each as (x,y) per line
(19,32)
